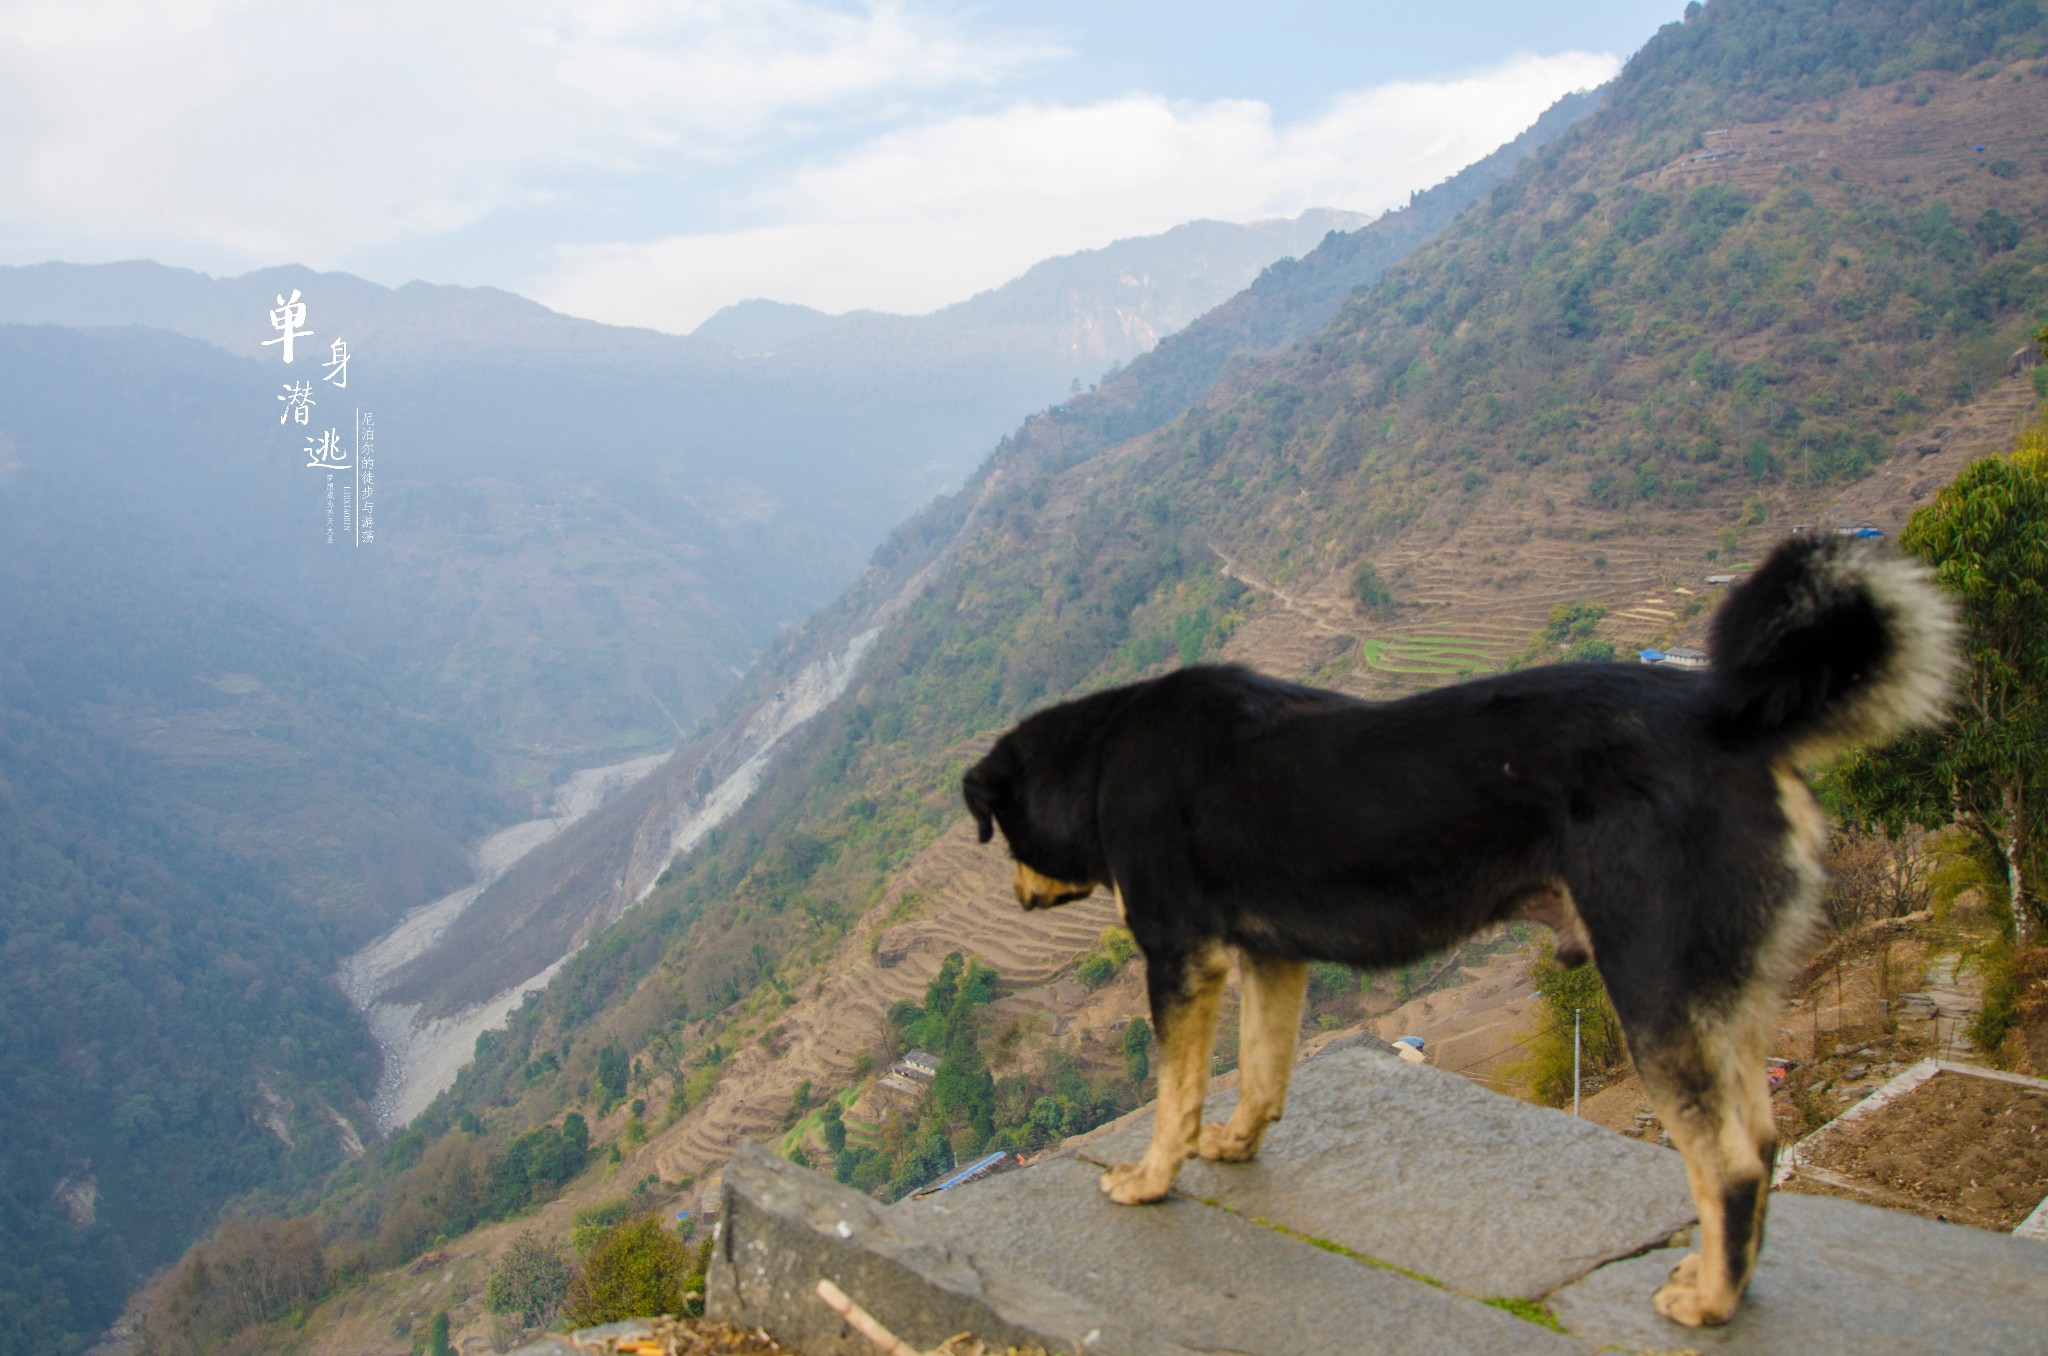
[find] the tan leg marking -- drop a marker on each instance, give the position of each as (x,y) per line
(1038,891)
(1719,1116)
(1273,993)
(1187,1042)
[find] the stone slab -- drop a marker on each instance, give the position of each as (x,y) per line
(1839,1277)
(1197,1278)
(1422,1169)
(1038,1256)
(784,1228)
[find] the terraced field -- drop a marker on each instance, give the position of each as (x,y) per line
(823,1036)
(1440,652)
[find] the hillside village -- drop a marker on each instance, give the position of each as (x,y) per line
(1779,282)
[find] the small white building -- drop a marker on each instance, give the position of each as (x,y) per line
(919,1065)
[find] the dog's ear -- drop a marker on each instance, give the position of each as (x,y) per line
(986,788)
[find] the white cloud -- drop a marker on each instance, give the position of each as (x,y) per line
(295,131)
(243,132)
(921,217)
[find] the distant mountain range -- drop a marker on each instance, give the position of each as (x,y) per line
(520,444)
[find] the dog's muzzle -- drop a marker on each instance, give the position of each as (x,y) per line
(1035,891)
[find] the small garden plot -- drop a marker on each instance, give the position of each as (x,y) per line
(1433,654)
(1962,1148)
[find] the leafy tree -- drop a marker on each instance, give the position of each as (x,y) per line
(1986,536)
(437,1343)
(963,1090)
(1571,622)
(1137,1048)
(612,1071)
(1095,970)
(253,1271)
(529,1283)
(1369,589)
(634,1271)
(1566,992)
(832,1121)
(693,1282)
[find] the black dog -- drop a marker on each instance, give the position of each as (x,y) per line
(1654,819)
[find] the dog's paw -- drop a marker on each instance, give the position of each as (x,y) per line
(1133,1184)
(1221,1144)
(1682,1298)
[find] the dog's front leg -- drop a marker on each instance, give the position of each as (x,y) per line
(1273,994)
(1186,991)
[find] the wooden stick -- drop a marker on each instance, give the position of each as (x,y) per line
(863,1322)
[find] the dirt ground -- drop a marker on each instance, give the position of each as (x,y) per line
(1477,1025)
(1992,1168)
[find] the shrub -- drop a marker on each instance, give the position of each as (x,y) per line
(636,1270)
(612,1069)
(252,1271)
(528,1284)
(1369,589)
(1549,1065)
(1137,1052)
(595,1222)
(1328,979)
(832,1122)
(1095,970)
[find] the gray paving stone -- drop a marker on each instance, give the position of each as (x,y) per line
(1840,1277)
(1038,1256)
(1427,1171)
(1198,1278)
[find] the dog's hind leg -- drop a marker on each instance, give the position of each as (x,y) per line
(1273,993)
(1186,991)
(1708,1087)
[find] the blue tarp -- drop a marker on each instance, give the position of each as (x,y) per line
(983,1166)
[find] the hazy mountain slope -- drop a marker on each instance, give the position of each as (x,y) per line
(597,527)
(234,751)
(1119,300)
(205,798)
(761,326)
(580,878)
(1297,296)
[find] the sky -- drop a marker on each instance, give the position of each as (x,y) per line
(647,163)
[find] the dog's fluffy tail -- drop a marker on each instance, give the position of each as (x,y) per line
(1831,644)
